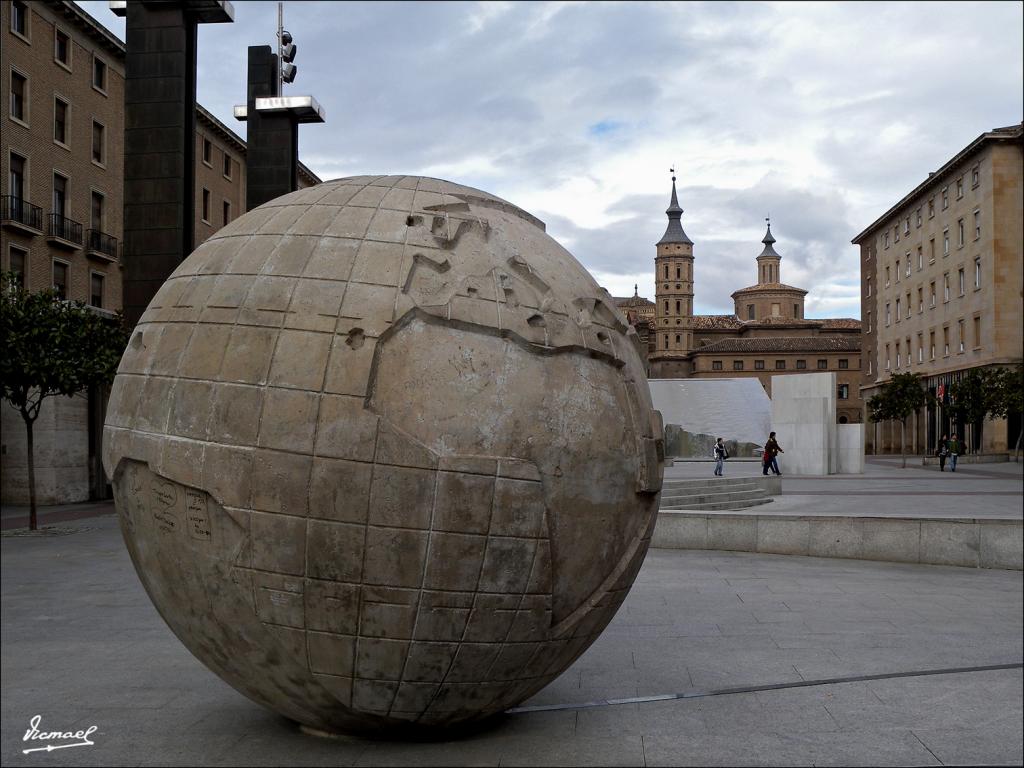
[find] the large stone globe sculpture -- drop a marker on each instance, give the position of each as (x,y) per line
(384,454)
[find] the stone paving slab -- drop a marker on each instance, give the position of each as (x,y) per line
(82,645)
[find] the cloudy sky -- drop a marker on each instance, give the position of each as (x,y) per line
(821,115)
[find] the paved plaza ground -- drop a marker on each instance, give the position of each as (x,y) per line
(82,645)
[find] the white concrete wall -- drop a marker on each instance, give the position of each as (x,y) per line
(61,437)
(851,449)
(736,409)
(804,420)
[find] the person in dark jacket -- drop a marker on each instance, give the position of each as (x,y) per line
(771,450)
(942,450)
(955,446)
(721,454)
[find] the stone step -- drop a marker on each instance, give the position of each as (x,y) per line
(719,506)
(711,495)
(711,482)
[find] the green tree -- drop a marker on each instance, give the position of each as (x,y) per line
(1007,397)
(51,347)
(971,399)
(902,395)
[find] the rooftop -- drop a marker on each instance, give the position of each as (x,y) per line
(784,344)
(767,287)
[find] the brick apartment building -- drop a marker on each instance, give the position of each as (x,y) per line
(61,208)
(941,287)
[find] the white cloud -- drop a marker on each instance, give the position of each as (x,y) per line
(822,114)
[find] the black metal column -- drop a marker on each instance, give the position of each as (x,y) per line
(272,138)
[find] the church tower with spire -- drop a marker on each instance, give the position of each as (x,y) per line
(673,286)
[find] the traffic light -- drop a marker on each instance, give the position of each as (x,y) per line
(288,51)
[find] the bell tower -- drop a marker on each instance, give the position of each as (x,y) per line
(673,281)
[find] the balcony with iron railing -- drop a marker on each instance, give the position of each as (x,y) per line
(64,232)
(101,245)
(21,215)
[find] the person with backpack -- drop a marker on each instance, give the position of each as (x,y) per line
(721,453)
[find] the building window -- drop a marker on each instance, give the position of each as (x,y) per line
(759,365)
(227,166)
(945,242)
(918,217)
(931,251)
(17,177)
(207,152)
(977,332)
(908,305)
(737,365)
(844,391)
(97,211)
(96,289)
(945,341)
(920,300)
(666,277)
(666,310)
(932,300)
(60,279)
(822,365)
(227,211)
(780,365)
(61,48)
(945,287)
(975,177)
(960,232)
(945,198)
(887,357)
(19,97)
(206,205)
(678,339)
(99,74)
(898,315)
(977,272)
(906,226)
(796,311)
(899,357)
(750,312)
(897,270)
(19,19)
(931,345)
(98,143)
(920,348)
(896,233)
(60,121)
(977,225)
(931,208)
(887,277)
(678,310)
(869,366)
(716,365)
(920,258)
(60,195)
(960,278)
(960,334)
(907,268)
(844,364)
(886,241)
(869,321)
(666,341)
(869,288)
(679,274)
(801,365)
(888,314)
(19,257)
(959,187)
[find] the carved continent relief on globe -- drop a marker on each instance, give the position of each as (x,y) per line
(384,454)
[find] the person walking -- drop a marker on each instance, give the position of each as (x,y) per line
(942,450)
(771,450)
(721,454)
(954,451)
